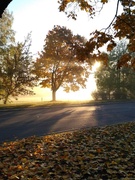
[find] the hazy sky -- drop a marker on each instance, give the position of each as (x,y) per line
(40,16)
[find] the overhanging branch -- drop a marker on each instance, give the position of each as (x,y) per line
(116,13)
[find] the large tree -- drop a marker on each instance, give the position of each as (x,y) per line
(57,65)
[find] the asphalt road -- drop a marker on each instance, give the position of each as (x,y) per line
(21,123)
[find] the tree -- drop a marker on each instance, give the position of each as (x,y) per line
(57,65)
(7,34)
(16,71)
(104,81)
(6,37)
(15,62)
(115,83)
(123,26)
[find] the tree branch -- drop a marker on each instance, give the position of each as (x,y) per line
(116,13)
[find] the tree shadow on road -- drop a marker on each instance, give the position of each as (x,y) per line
(18,124)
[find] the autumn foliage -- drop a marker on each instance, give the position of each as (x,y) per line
(97,153)
(122,26)
(58,64)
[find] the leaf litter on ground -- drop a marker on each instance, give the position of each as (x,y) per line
(99,153)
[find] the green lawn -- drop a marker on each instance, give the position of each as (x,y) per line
(97,154)
(57,103)
(45,103)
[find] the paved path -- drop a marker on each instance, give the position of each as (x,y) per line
(44,120)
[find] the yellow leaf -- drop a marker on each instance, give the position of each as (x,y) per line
(113,163)
(23,160)
(91,156)
(20,167)
(104,1)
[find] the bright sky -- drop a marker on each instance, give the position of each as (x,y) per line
(40,16)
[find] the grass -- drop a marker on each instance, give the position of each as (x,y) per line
(41,104)
(106,153)
(57,103)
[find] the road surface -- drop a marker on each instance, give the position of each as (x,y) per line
(21,123)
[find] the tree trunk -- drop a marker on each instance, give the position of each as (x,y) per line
(5,99)
(53,95)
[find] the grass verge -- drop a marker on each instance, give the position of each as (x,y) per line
(58,103)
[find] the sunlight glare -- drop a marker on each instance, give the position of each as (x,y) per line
(82,94)
(45,94)
(96,66)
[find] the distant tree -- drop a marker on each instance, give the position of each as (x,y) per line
(15,61)
(16,70)
(57,65)
(105,81)
(7,34)
(115,83)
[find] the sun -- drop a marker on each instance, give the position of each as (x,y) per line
(95,66)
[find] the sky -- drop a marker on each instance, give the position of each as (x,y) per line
(40,16)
